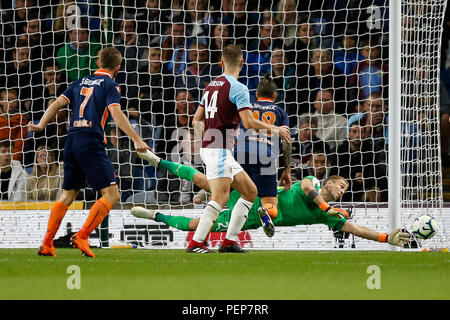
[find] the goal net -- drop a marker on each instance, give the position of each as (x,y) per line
(329,59)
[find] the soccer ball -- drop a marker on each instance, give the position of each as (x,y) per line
(424,226)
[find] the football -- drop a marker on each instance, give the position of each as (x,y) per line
(424,226)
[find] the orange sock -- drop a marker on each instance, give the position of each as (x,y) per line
(57,213)
(98,212)
(273,210)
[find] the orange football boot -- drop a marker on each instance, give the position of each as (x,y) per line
(83,245)
(45,250)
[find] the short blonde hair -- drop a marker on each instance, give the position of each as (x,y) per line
(110,58)
(335,178)
(232,55)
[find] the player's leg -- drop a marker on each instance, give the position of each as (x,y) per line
(99,172)
(177,222)
(271,205)
(267,212)
(183,171)
(266,183)
(220,189)
(245,186)
(219,175)
(57,213)
(74,179)
(100,209)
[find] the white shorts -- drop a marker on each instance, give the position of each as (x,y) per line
(219,163)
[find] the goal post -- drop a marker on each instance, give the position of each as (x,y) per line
(339,65)
(394,170)
(420,171)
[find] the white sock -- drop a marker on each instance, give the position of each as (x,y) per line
(207,220)
(238,218)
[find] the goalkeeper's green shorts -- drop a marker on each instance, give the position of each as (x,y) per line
(221,225)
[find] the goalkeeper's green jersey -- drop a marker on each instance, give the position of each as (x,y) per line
(294,208)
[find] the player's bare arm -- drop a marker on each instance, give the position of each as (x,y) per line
(285,179)
(198,122)
(249,122)
(49,114)
(395,238)
(122,122)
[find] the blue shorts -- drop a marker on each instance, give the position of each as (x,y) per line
(86,163)
(265,183)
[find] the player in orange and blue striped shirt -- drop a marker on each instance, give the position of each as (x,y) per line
(90,98)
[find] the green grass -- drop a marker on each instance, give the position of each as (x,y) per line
(259,275)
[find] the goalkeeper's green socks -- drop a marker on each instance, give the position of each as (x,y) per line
(178,169)
(177,222)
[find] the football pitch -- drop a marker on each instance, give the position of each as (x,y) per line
(259,275)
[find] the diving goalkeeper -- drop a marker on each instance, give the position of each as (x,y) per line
(305,203)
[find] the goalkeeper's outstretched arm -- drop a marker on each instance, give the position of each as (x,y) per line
(395,238)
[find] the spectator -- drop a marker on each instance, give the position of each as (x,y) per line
(199,72)
(331,127)
(78,57)
(150,134)
(151,20)
(444,110)
(21,75)
(174,45)
(302,145)
(12,175)
(284,76)
(222,10)
(347,57)
(63,20)
(322,75)
(258,55)
(53,81)
(197,19)
(132,47)
(45,181)
(305,41)
(367,17)
(176,9)
(361,166)
(180,121)
(244,24)
(371,74)
(185,154)
(374,109)
(287,18)
(40,43)
(14,20)
(153,99)
(122,159)
(54,133)
(318,165)
(221,37)
(13,125)
(175,136)
(68,14)
(425,101)
(268,39)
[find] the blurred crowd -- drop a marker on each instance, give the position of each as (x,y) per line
(329,59)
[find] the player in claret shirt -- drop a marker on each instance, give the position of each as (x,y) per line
(90,98)
(225,102)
